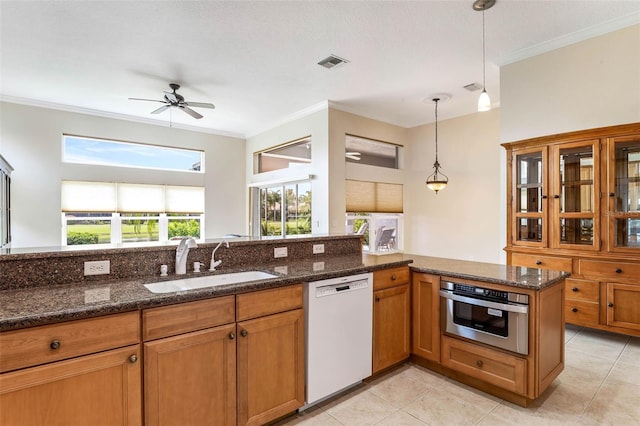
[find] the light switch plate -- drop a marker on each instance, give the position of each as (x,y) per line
(99,267)
(280,252)
(318,248)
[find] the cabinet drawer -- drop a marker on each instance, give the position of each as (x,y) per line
(390,277)
(267,302)
(588,291)
(581,312)
(185,317)
(610,270)
(541,262)
(47,343)
(495,367)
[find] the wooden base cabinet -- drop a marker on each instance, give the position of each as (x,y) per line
(225,361)
(623,306)
(75,373)
(391,317)
(425,291)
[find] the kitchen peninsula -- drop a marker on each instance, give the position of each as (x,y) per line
(58,323)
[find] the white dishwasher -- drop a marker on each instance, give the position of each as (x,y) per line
(339,328)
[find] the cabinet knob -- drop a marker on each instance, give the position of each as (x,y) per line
(610,305)
(575,289)
(479,363)
(232,336)
(556,196)
(133,359)
(544,197)
(574,309)
(55,344)
(618,271)
(538,262)
(244,333)
(612,194)
(393,277)
(377,298)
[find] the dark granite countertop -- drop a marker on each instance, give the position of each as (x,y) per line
(43,305)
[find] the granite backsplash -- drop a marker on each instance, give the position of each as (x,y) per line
(66,267)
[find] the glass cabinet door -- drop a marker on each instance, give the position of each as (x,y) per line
(529,197)
(624,193)
(575,198)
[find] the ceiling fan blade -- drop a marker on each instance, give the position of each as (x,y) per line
(200,105)
(162,108)
(190,111)
(149,100)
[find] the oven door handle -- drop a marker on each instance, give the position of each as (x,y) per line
(522,309)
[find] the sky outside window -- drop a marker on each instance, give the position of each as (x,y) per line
(124,154)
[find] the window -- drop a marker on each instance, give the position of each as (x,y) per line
(286,156)
(5,202)
(371,152)
(285,209)
(82,150)
(374,210)
(105,212)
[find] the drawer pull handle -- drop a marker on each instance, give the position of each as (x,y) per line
(610,305)
(244,333)
(574,309)
(133,359)
(612,194)
(393,277)
(479,363)
(55,344)
(575,289)
(618,271)
(556,196)
(544,197)
(232,336)
(538,262)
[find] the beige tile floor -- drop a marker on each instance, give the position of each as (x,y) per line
(600,385)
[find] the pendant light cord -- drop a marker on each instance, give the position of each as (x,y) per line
(484,64)
(436,101)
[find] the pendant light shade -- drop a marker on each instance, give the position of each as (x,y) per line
(437,181)
(484,102)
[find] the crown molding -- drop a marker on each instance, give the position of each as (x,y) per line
(320,106)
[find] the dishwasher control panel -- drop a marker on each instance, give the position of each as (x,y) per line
(328,290)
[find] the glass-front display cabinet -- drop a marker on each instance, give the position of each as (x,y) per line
(530,198)
(624,194)
(575,201)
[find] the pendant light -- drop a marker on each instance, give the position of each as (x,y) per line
(484,102)
(437,181)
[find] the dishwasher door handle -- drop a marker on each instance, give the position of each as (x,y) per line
(344,287)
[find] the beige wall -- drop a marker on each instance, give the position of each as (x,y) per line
(466,219)
(32,142)
(590,84)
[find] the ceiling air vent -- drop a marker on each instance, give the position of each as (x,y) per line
(332,61)
(472,87)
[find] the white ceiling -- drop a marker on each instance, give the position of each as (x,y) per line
(257,60)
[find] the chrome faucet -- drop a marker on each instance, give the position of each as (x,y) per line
(181,254)
(215,262)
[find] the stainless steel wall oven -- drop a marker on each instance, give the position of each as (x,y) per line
(497,318)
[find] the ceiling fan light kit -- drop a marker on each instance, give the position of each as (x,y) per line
(174,100)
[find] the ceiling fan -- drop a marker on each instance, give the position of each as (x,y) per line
(172,99)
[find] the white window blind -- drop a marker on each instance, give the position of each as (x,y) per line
(80,196)
(373,197)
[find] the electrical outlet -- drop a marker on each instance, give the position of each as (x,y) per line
(318,266)
(98,267)
(280,252)
(318,248)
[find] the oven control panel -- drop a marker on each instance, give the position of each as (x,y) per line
(479,291)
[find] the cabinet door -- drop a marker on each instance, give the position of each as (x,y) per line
(190,379)
(270,367)
(426,316)
(529,197)
(575,198)
(100,389)
(624,194)
(623,305)
(391,310)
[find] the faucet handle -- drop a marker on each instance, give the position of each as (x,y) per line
(214,264)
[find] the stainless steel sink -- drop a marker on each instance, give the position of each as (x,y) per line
(208,281)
